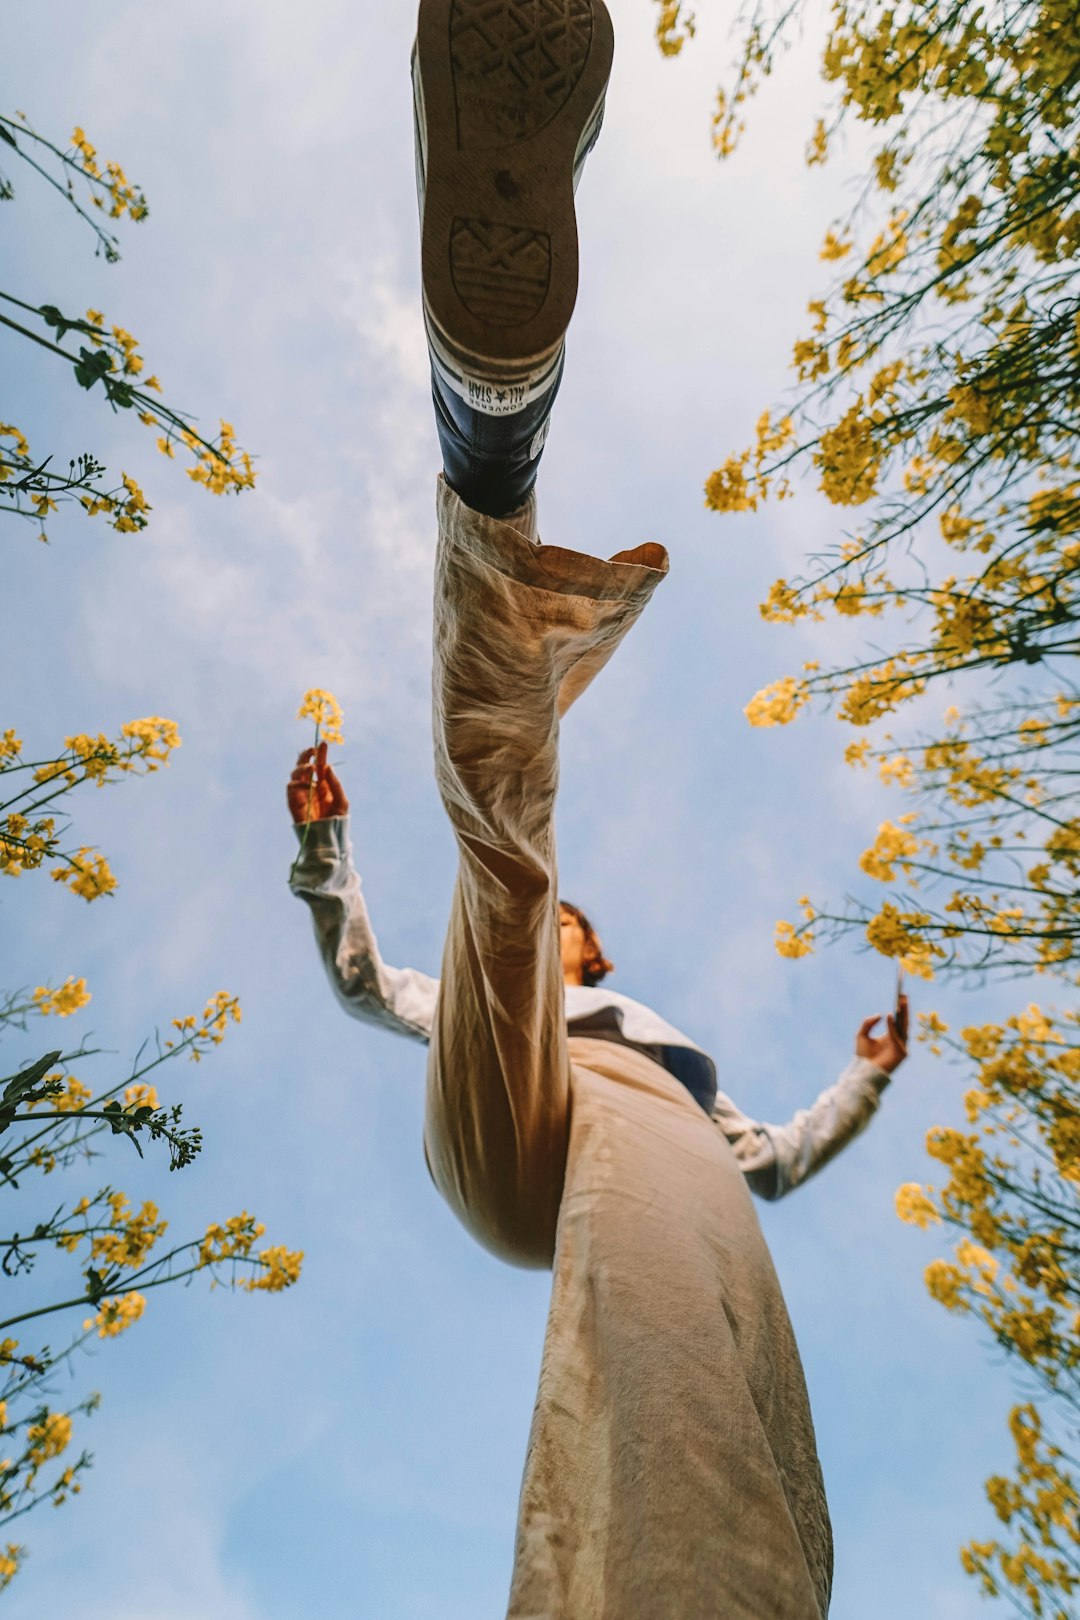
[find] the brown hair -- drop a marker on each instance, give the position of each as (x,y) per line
(596,965)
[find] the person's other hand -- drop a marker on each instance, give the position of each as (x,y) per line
(314,792)
(887,1051)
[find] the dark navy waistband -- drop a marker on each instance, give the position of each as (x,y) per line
(692,1069)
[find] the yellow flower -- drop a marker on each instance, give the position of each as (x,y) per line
(71,995)
(834,247)
(1033,731)
(728,489)
(783,605)
(49,1437)
(889,248)
(810,359)
(282,1269)
(818,148)
(668,22)
(9,431)
(956,528)
(115,1315)
(914,1207)
(324,709)
(141,1096)
(851,600)
(891,845)
(898,769)
(897,934)
(236,1238)
(931,1029)
(73,1098)
(885,168)
(131,1236)
(154,739)
(210,1029)
(777,704)
(792,944)
(944,1283)
(87,874)
(970,1254)
(849,459)
(770,438)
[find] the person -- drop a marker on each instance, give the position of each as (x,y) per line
(672,1470)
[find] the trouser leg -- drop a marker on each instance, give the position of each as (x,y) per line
(672,1471)
(520,629)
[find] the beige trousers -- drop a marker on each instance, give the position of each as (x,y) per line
(672,1472)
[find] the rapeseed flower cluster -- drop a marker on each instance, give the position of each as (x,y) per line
(120,1244)
(30,839)
(1014,1267)
(116,1315)
(112,190)
(69,998)
(199,1034)
(324,708)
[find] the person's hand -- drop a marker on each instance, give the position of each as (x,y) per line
(887,1051)
(314,791)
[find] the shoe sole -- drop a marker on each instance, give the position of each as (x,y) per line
(508,91)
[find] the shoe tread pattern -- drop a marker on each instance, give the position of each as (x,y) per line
(501,273)
(514,64)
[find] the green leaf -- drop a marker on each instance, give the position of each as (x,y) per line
(20,1083)
(6,135)
(91,367)
(25,1087)
(95,1286)
(119,393)
(121,1124)
(63,324)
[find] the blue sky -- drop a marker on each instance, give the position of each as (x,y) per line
(354,1447)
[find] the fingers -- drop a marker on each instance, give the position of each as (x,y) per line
(867,1025)
(300,792)
(313,790)
(898,1038)
(339,804)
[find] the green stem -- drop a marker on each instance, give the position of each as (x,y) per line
(171,417)
(307,823)
(108,242)
(133,1286)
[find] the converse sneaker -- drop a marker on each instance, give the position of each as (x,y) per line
(508,97)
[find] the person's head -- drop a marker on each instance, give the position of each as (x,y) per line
(583,959)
